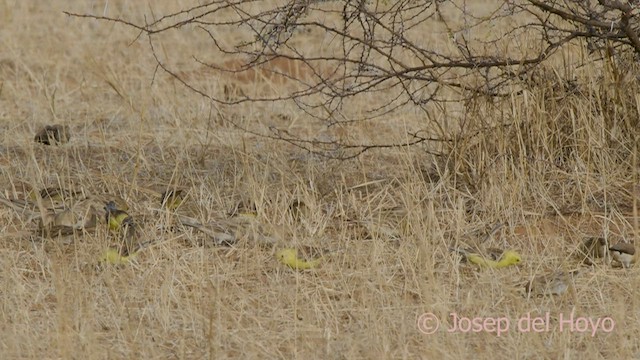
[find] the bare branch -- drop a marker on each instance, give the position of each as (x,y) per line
(379,48)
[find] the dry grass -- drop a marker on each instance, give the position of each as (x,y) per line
(567,169)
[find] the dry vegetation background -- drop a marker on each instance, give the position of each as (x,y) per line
(565,167)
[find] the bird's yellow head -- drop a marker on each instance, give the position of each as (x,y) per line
(287,256)
(510,257)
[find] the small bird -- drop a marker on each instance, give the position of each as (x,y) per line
(556,283)
(172,199)
(57,224)
(592,248)
(245,208)
(56,193)
(53,135)
(299,209)
(100,200)
(120,221)
(77,219)
(113,257)
(53,196)
(310,259)
(494,258)
(114,216)
(624,253)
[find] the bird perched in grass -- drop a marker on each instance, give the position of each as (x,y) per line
(116,217)
(172,199)
(493,258)
(56,193)
(67,222)
(308,258)
(57,224)
(114,257)
(121,222)
(53,196)
(592,248)
(556,283)
(245,208)
(53,135)
(624,253)
(299,209)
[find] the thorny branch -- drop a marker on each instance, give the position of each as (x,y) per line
(383,51)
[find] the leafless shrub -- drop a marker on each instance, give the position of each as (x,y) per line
(483,54)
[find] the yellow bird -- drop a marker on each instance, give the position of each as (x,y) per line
(624,253)
(116,218)
(114,257)
(493,258)
(120,221)
(309,260)
(172,199)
